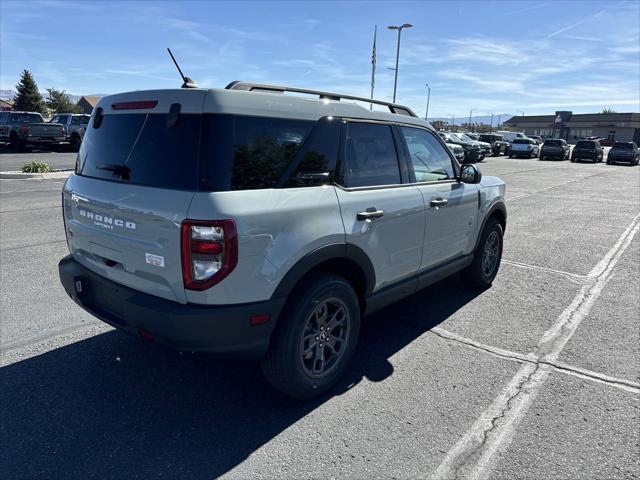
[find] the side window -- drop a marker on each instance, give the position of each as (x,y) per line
(4,117)
(55,119)
(318,155)
(430,160)
(82,120)
(370,157)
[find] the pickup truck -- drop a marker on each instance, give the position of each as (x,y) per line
(74,126)
(22,128)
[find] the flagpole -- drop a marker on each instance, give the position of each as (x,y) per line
(373,65)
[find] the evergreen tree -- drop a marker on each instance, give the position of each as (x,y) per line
(28,97)
(59,102)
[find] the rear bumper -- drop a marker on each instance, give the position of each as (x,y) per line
(585,155)
(46,139)
(621,159)
(187,327)
(561,155)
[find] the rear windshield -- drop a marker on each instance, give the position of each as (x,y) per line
(623,146)
(586,143)
(80,120)
(26,118)
(522,140)
(553,143)
(202,152)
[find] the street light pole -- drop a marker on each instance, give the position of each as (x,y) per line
(470,112)
(426,115)
(399,28)
(491,124)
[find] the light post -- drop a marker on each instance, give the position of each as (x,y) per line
(426,115)
(470,112)
(399,29)
(491,124)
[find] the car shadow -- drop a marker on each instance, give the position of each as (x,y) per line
(112,406)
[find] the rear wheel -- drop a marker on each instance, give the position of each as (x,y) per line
(75,142)
(315,337)
(486,260)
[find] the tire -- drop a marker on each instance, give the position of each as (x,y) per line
(286,366)
(510,155)
(483,270)
(15,142)
(75,142)
(573,160)
(609,162)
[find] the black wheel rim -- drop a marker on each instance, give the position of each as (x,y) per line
(324,337)
(490,254)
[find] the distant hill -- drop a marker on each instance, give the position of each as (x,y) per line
(9,94)
(486,119)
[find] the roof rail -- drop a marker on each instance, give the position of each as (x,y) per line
(263,87)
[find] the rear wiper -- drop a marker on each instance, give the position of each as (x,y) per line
(121,170)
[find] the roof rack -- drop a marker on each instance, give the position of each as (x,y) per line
(263,87)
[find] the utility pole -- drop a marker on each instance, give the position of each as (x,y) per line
(399,29)
(499,120)
(491,124)
(470,112)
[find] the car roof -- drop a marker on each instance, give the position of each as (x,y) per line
(265,104)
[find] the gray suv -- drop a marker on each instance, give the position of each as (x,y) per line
(248,221)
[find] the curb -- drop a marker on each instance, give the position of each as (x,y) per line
(54,174)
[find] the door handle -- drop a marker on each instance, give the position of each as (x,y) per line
(439,202)
(371,212)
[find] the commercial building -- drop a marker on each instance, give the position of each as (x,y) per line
(622,127)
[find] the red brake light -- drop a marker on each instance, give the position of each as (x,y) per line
(23,128)
(139,105)
(209,252)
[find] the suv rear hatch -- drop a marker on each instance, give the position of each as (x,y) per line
(136,174)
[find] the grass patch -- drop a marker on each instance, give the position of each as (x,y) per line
(36,167)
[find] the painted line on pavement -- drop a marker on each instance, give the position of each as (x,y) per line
(472,457)
(581,279)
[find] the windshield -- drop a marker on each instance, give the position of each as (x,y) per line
(623,146)
(465,138)
(553,143)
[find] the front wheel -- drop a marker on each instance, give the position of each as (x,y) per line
(315,337)
(486,259)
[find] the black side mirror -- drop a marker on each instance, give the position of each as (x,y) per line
(470,174)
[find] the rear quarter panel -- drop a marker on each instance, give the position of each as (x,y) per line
(276,228)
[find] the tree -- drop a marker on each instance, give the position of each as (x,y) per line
(28,97)
(59,102)
(439,124)
(608,110)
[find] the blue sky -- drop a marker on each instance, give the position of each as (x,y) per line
(490,56)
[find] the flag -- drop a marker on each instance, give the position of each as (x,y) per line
(373,64)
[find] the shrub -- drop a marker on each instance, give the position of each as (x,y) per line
(36,167)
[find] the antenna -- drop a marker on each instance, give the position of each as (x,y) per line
(188,83)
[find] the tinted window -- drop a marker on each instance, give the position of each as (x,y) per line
(318,155)
(140,149)
(522,141)
(430,160)
(26,118)
(585,144)
(553,143)
(370,156)
(80,120)
(4,116)
(247,153)
(623,146)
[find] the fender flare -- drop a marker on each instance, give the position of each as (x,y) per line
(498,206)
(334,251)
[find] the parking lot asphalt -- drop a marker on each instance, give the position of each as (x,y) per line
(11,160)
(537,377)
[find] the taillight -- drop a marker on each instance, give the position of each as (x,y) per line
(209,252)
(139,105)
(23,129)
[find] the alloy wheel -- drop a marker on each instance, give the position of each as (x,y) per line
(490,254)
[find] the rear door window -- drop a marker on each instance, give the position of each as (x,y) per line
(370,157)
(141,149)
(431,162)
(4,116)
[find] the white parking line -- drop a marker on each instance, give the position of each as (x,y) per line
(572,276)
(472,456)
(529,194)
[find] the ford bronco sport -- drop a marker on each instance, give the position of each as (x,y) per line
(249,221)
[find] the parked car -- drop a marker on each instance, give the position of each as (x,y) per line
(271,236)
(537,138)
(555,149)
(607,142)
(14,127)
(74,126)
(485,146)
(589,150)
(457,151)
(472,150)
(499,145)
(626,152)
(524,147)
(511,136)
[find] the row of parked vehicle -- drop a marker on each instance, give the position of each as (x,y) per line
(558,149)
(22,129)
